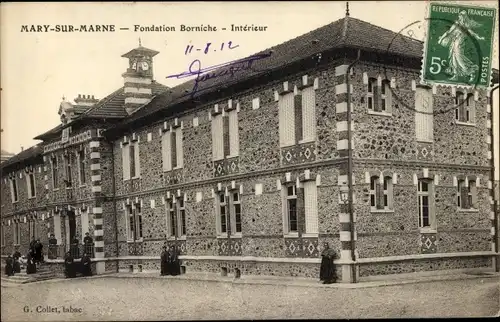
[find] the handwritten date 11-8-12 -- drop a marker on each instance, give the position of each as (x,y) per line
(206,50)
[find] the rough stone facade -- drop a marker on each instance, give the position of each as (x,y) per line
(382,143)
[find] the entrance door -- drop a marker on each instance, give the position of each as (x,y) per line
(72,225)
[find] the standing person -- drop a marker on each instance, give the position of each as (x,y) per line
(175,268)
(33,244)
(164,257)
(16,266)
(69,267)
(86,266)
(9,266)
(327,272)
(52,247)
(30,264)
(88,242)
(38,251)
(75,248)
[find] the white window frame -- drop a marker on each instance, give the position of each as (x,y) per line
(82,162)
(234,202)
(136,225)
(386,97)
(370,94)
(171,219)
(219,204)
(31,186)
(470,184)
(127,161)
(472,195)
(181,207)
(388,193)
(469,108)
(287,198)
(431,226)
(14,189)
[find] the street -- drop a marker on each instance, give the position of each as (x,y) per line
(170,299)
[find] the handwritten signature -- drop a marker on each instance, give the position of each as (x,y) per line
(215,71)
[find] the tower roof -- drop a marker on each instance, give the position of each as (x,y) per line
(140,51)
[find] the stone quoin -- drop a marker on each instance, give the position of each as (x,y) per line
(250,177)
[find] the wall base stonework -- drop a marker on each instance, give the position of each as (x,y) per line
(411,266)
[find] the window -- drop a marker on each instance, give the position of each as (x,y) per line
(297,117)
(424,118)
(176,218)
(14,193)
(465,110)
(55,174)
(221,213)
(134,222)
(291,209)
(130,159)
(225,135)
(425,204)
(3,236)
(67,168)
(381,194)
(229,213)
(81,167)
(33,229)
(172,152)
(17,234)
(236,210)
(379,96)
(30,183)
(311,207)
(467,194)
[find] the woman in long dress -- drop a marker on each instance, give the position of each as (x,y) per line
(30,263)
(86,265)
(9,266)
(327,272)
(164,257)
(459,65)
(69,267)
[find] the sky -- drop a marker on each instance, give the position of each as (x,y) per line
(38,69)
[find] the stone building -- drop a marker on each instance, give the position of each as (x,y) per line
(246,169)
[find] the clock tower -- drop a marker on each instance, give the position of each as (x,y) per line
(138,79)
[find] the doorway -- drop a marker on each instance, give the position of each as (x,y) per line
(71,225)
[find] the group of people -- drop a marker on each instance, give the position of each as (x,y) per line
(71,268)
(170,263)
(13,264)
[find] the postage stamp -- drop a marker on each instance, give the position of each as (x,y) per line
(458,47)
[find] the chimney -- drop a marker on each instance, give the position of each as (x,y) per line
(85,100)
(138,79)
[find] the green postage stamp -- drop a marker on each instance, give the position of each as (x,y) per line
(458,47)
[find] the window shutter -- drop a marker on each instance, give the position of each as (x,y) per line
(179,151)
(126,161)
(309,113)
(461,109)
(377,101)
(284,210)
(217,143)
(234,140)
(165,145)
(225,124)
(173,148)
(286,120)
(297,105)
(311,207)
(217,214)
(380,195)
(137,160)
(464,197)
(301,211)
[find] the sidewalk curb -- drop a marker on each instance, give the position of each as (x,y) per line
(302,283)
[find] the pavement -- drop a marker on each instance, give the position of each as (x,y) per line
(364,282)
